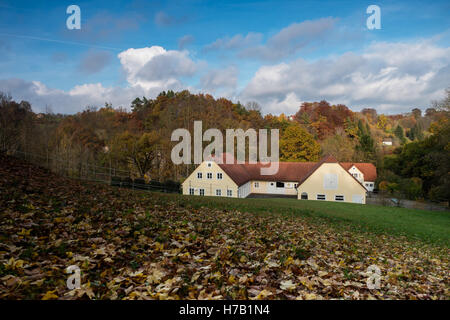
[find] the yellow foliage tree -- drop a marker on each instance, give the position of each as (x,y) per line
(297,144)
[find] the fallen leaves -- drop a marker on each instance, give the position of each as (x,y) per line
(287,285)
(135,245)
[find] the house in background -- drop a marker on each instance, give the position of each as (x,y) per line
(387,142)
(365,173)
(327,180)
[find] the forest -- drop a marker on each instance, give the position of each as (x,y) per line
(411,150)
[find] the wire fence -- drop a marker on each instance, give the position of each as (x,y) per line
(83,170)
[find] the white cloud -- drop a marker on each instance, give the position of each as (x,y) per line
(289,105)
(72,101)
(155,67)
(287,41)
(148,71)
(220,78)
(392,77)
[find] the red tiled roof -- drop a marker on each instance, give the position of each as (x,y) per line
(368,169)
(287,171)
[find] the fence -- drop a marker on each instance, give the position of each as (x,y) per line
(89,172)
(386,201)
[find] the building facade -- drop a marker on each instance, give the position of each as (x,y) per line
(327,180)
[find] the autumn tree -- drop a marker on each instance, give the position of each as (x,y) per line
(339,146)
(140,152)
(366,144)
(382,122)
(15,123)
(400,134)
(417,113)
(296,144)
(323,119)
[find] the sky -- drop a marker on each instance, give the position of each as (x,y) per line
(276,53)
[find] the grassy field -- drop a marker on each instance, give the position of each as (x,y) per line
(142,245)
(429,226)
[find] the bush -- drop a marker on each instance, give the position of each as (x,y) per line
(139,183)
(172,185)
(127,182)
(115,181)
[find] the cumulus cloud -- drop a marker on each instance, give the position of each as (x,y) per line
(391,77)
(94,61)
(287,41)
(220,79)
(153,67)
(72,101)
(292,39)
(148,70)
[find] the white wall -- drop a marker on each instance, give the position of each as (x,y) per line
(244,190)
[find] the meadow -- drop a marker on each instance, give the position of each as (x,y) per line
(131,244)
(422,225)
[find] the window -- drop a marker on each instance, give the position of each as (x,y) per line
(209,175)
(321,197)
(191,191)
(339,198)
(371,184)
(256,184)
(355,175)
(229,193)
(209,164)
(280,184)
(330,181)
(219,176)
(218,192)
(304,196)
(202,192)
(199,175)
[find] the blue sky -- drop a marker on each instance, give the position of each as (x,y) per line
(277,53)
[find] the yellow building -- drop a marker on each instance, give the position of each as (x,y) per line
(327,180)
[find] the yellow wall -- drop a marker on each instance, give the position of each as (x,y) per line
(264,187)
(346,185)
(210,186)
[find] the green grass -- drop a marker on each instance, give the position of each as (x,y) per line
(428,226)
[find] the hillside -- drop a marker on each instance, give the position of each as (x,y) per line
(136,141)
(139,245)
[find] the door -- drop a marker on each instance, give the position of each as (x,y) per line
(357,198)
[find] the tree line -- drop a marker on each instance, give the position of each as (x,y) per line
(137,139)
